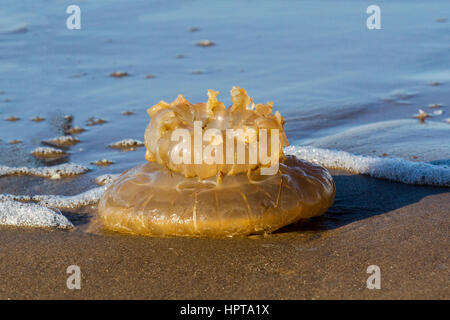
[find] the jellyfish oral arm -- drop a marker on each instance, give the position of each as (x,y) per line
(212,151)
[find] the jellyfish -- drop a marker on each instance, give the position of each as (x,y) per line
(214,171)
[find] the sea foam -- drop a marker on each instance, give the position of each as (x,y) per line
(394,169)
(15,213)
(90,197)
(43,210)
(62,170)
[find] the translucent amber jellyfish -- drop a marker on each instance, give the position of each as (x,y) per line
(220,188)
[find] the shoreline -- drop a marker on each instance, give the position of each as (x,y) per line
(401,228)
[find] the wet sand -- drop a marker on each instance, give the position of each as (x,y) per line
(401,228)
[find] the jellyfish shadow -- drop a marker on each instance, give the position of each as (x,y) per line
(360,197)
(78,219)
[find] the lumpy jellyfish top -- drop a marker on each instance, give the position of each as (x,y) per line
(212,136)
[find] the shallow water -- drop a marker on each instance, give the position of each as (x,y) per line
(325,71)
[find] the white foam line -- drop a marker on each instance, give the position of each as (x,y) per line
(66,169)
(90,197)
(394,169)
(14,212)
(87,198)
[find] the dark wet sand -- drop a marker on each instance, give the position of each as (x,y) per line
(402,229)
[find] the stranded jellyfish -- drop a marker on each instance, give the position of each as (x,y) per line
(215,171)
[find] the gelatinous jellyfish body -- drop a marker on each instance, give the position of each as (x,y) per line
(200,197)
(150,199)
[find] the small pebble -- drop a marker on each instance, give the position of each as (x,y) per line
(435,84)
(75,130)
(103,163)
(119,74)
(205,43)
(194,29)
(421,116)
(197,72)
(128,113)
(384,155)
(92,121)
(47,152)
(15,141)
(12,119)
(435,106)
(442,20)
(180,56)
(127,144)
(63,141)
(37,119)
(150,76)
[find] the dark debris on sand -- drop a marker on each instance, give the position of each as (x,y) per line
(93,121)
(12,119)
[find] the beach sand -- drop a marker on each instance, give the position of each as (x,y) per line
(401,228)
(339,86)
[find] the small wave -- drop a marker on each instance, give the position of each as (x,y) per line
(17,209)
(14,213)
(394,169)
(90,197)
(54,172)
(87,198)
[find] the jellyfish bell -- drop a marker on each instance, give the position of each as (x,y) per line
(215,171)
